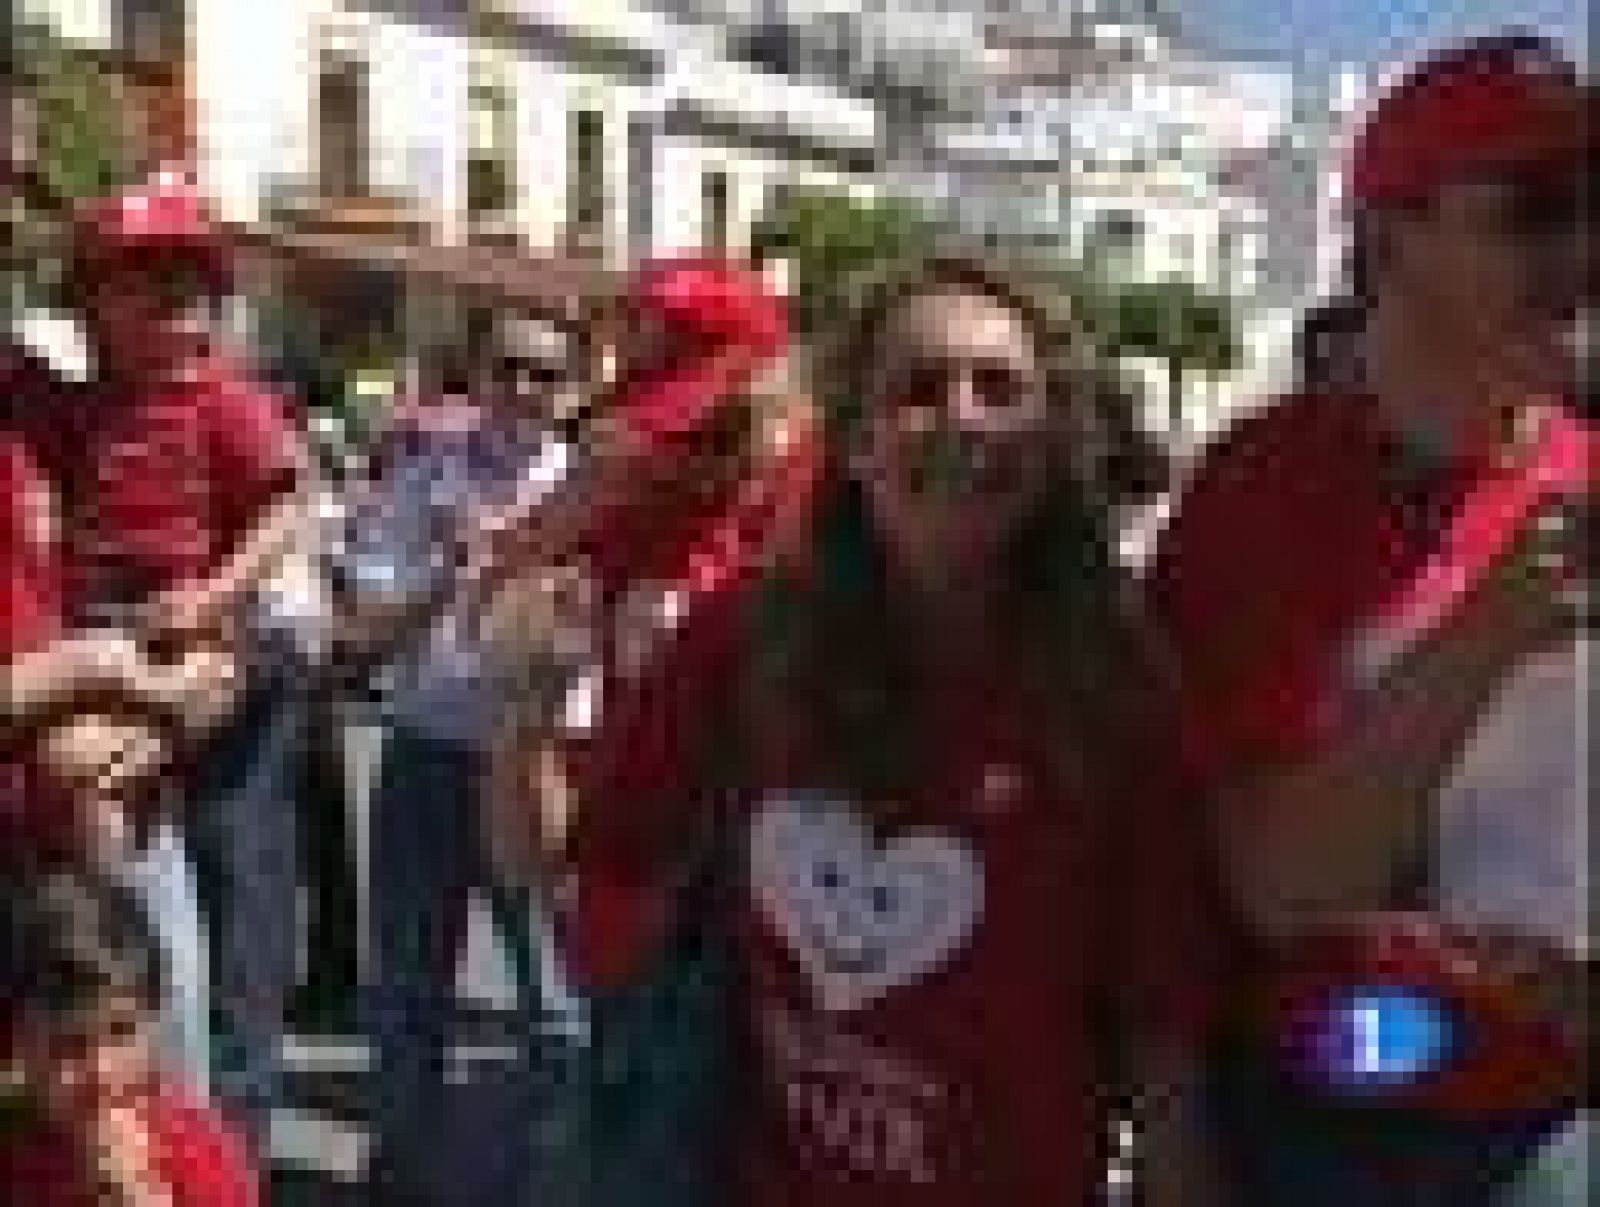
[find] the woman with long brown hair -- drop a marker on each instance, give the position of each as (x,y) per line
(925,735)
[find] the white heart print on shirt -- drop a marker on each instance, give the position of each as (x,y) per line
(861,919)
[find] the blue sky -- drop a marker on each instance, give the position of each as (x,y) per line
(1313,32)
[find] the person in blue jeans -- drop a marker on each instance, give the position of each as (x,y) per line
(399,572)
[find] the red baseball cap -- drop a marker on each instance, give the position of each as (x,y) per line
(717,301)
(1511,105)
(150,225)
(729,323)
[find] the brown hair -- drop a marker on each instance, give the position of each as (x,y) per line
(1097,410)
(836,660)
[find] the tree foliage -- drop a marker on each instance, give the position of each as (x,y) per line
(1189,331)
(82,129)
(831,239)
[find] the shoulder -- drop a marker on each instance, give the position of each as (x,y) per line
(1283,440)
(1261,475)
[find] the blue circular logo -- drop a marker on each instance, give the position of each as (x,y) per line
(1373,1038)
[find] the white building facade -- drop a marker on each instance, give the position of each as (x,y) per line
(661,123)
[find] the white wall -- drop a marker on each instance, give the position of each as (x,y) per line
(256,64)
(91,21)
(253,98)
(681,165)
(419,115)
(255,85)
(543,99)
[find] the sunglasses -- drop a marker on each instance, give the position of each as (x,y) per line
(995,386)
(1539,214)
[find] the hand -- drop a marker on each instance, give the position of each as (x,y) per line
(108,660)
(1520,607)
(102,753)
(1486,953)
(124,1154)
(545,614)
(200,689)
(181,617)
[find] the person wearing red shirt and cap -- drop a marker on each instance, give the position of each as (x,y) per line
(697,457)
(1358,577)
(175,478)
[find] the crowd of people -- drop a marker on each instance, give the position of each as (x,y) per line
(863,829)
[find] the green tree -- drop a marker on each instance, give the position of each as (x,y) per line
(71,143)
(830,238)
(1173,321)
(83,134)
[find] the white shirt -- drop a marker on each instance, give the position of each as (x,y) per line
(403,544)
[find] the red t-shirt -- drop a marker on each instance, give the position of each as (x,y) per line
(164,485)
(166,480)
(1298,529)
(917,1006)
(201,1162)
(30,533)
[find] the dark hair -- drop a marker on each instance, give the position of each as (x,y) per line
(837,658)
(1327,352)
(73,940)
(1110,451)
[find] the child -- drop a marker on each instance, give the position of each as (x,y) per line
(90,1117)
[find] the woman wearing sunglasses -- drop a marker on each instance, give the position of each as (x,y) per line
(490,442)
(902,742)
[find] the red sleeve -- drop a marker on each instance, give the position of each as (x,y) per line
(254,454)
(641,785)
(1178,941)
(642,779)
(1225,586)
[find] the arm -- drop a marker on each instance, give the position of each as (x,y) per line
(1317,799)
(38,685)
(1319,836)
(257,466)
(610,512)
(207,607)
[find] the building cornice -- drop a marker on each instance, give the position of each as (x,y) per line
(542,36)
(688,117)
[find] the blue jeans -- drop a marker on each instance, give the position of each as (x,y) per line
(243,835)
(440,1142)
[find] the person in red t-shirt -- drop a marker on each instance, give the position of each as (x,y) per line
(78,706)
(922,723)
(1309,534)
(87,1117)
(177,474)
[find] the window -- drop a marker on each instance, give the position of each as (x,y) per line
(342,100)
(152,31)
(781,196)
(715,207)
(586,176)
(1116,231)
(492,138)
